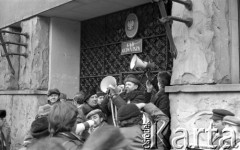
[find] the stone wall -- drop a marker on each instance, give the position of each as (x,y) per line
(30,72)
(203,49)
(34,69)
(192,111)
(19,93)
(21,111)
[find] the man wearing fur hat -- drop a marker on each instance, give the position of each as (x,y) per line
(130,94)
(5,139)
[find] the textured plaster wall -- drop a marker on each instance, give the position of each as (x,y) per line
(64,56)
(203,49)
(193,110)
(21,111)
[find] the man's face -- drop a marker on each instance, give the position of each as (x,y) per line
(53,98)
(100,99)
(97,120)
(93,100)
(129,86)
(218,124)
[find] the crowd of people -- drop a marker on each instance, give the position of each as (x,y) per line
(125,118)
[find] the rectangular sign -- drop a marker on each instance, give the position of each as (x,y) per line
(131,47)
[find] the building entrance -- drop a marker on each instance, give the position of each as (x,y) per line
(101,45)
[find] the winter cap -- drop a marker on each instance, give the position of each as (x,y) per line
(128,111)
(132,78)
(39,128)
(53,91)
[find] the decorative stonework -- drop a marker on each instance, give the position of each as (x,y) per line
(193,110)
(203,49)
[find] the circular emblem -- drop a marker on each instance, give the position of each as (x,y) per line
(131,25)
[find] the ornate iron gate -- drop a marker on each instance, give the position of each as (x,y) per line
(101,45)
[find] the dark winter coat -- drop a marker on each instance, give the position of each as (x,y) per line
(69,140)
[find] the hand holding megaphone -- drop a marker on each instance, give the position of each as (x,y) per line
(113,89)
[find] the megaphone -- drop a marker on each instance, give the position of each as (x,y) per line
(137,62)
(109,80)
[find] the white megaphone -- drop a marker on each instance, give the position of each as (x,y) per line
(106,82)
(137,62)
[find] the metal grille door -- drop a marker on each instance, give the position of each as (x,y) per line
(101,45)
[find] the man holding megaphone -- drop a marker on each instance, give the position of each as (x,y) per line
(130,94)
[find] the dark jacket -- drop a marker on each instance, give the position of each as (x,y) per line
(135,96)
(159,121)
(162,124)
(5,139)
(161,100)
(69,140)
(134,136)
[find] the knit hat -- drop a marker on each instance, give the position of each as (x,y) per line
(133,79)
(44,110)
(128,111)
(39,128)
(219,114)
(53,91)
(91,92)
(3,114)
(111,139)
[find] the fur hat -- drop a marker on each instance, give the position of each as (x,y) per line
(128,111)
(39,128)
(111,139)
(3,114)
(53,91)
(91,92)
(132,78)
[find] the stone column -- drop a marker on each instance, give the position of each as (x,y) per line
(203,49)
(34,69)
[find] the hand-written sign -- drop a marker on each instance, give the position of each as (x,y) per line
(131,47)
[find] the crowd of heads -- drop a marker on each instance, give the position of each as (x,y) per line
(61,117)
